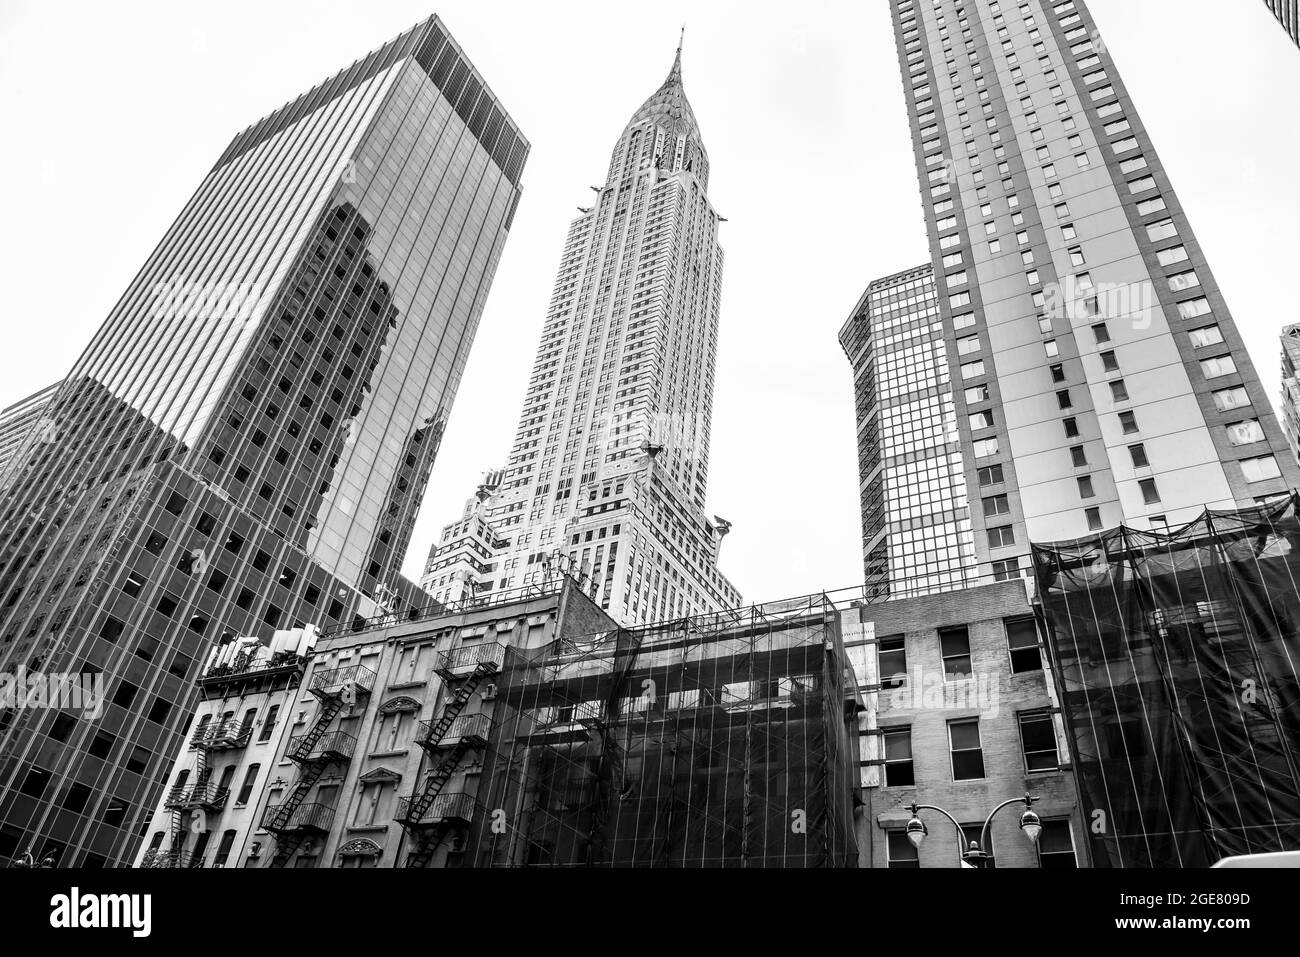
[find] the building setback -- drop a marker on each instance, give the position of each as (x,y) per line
(961,712)
(244,443)
(608,473)
(1094,362)
(16,420)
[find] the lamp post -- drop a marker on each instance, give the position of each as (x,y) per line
(974,855)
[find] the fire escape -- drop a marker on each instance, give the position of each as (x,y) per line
(429,814)
(292,821)
(183,800)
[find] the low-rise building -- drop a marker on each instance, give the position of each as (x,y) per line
(961,712)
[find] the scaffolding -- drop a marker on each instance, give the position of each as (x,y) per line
(720,740)
(1178,665)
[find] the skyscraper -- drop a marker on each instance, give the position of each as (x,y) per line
(608,472)
(16,420)
(244,443)
(1095,363)
(916,525)
(1288,14)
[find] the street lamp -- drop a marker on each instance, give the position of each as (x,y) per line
(974,855)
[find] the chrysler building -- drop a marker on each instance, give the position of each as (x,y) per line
(608,473)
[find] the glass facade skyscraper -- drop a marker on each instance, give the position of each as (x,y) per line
(609,468)
(916,526)
(1098,371)
(244,443)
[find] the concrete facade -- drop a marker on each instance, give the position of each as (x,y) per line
(915,717)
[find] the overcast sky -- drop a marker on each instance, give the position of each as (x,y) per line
(114,112)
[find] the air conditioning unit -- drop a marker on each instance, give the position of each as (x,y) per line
(489,692)
(459,844)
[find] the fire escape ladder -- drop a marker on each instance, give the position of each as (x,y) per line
(287,844)
(423,851)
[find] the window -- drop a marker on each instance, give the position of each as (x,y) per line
(1128,422)
(996,505)
(1150,494)
(1260,468)
(977,393)
(964,745)
(1093,517)
(1100,332)
(1078,456)
(1119,391)
(981,420)
(1205,336)
(1234,398)
(1038,741)
(985,447)
(1191,308)
(898,757)
(1001,537)
(954,646)
(1056,846)
(989,475)
(268,724)
(971,369)
(1172,255)
(1164,229)
(1218,366)
(1085,486)
(1109,362)
(1006,569)
(1071,425)
(1244,433)
(1181,281)
(1022,645)
(1138,453)
(223,849)
(902,853)
(246,789)
(891,660)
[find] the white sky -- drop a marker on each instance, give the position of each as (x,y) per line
(114,112)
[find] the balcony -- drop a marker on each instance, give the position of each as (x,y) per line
(461,662)
(337,681)
(207,797)
(335,746)
(455,808)
(471,728)
(305,818)
(225,735)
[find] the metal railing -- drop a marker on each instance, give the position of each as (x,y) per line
(161,858)
(463,660)
(305,817)
(248,666)
(332,682)
(472,726)
(457,806)
(334,746)
(221,735)
(208,795)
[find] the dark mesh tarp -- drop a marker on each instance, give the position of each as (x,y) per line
(714,741)
(1177,659)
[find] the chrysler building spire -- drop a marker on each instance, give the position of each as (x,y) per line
(608,475)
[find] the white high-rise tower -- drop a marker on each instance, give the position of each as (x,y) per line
(608,472)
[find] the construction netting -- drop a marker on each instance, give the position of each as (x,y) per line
(720,740)
(1177,662)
